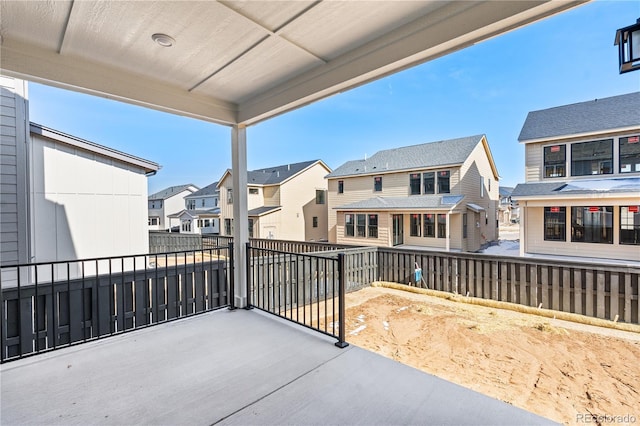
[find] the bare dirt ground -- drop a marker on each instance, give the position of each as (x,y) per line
(563,371)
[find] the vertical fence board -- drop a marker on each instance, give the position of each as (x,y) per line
(578,292)
(614,299)
(627,297)
(600,295)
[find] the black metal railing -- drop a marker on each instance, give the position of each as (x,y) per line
(46,306)
(308,289)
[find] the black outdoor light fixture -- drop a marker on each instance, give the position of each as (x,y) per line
(628,42)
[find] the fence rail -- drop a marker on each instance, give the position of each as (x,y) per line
(307,289)
(46,306)
(597,290)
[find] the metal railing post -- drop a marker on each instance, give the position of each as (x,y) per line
(249,276)
(341,343)
(232,288)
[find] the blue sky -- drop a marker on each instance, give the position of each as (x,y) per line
(486,89)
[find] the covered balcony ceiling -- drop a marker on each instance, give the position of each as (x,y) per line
(240,62)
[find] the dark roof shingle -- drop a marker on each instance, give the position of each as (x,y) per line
(585,117)
(432,154)
(170,192)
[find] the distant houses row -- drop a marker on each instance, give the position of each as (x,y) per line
(582,191)
(67,198)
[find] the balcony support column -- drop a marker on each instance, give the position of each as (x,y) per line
(240,212)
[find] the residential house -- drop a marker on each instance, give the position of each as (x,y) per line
(201,212)
(163,203)
(582,191)
(65,198)
(440,195)
(286,202)
(508,211)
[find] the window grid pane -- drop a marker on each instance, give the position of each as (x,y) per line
(592,158)
(630,225)
(555,228)
(592,225)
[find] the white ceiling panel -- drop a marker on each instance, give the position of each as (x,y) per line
(272,63)
(207,34)
(240,62)
(349,25)
(39,22)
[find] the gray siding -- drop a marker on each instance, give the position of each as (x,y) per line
(13,171)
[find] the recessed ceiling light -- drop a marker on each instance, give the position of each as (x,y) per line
(163,39)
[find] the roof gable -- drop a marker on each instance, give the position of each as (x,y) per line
(170,191)
(616,112)
(426,155)
(208,190)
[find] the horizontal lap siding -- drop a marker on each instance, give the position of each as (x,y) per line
(13,192)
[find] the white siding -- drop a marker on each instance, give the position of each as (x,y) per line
(85,205)
(14,234)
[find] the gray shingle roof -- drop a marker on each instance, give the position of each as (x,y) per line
(277,174)
(169,192)
(432,154)
(258,211)
(412,202)
(584,117)
(211,189)
(577,187)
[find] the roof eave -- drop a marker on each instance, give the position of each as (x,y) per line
(581,135)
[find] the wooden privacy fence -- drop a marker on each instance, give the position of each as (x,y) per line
(167,242)
(597,290)
(46,306)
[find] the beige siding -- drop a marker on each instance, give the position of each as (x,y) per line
(384,231)
(477,173)
(226,209)
(255,200)
(272,196)
(360,188)
(14,235)
(536,244)
(298,198)
(268,226)
(533,162)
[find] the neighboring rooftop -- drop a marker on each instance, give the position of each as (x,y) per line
(616,112)
(505,191)
(210,189)
(581,187)
(170,191)
(277,174)
(432,154)
(105,151)
(403,203)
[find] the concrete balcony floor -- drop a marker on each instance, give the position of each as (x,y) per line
(234,367)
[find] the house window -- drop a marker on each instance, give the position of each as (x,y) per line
(361,225)
(592,158)
(555,158)
(228,226)
(630,154)
(373,226)
(429,221)
(202,203)
(377,183)
(253,191)
(592,224)
(186,226)
(315,221)
(630,225)
(340,187)
(488,185)
(443,182)
(215,202)
(250,228)
(442,225)
(229,196)
(414,225)
(199,223)
(429,182)
(154,221)
(464,225)
(555,228)
(414,183)
(481,187)
(319,196)
(191,204)
(349,230)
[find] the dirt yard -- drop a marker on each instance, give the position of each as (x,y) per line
(563,371)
